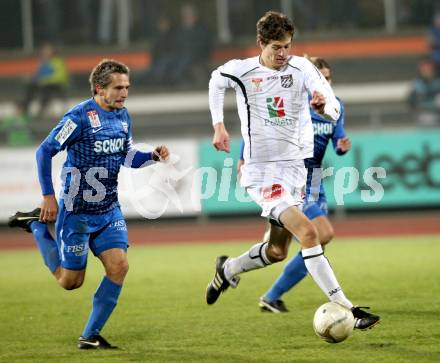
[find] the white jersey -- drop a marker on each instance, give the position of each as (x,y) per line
(273,106)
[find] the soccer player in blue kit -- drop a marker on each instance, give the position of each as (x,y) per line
(98,138)
(315,206)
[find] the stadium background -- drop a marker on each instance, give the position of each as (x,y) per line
(373,46)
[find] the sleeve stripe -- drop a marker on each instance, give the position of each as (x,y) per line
(243,89)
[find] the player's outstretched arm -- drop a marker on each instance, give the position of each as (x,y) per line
(139,159)
(217,87)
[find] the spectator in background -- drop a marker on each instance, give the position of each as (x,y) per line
(424,97)
(164,53)
(434,40)
(194,48)
(49,81)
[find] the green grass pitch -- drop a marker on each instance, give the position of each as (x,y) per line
(162,315)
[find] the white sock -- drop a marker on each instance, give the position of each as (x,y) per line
(321,271)
(251,260)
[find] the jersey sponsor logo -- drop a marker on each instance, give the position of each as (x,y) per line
(125,126)
(323,128)
(66,131)
(279,122)
(275,106)
(94,118)
(273,192)
(256,84)
(109,146)
(286,81)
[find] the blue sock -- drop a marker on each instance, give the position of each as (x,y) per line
(294,271)
(46,244)
(104,302)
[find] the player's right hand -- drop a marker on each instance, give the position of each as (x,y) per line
(49,209)
(317,102)
(221,138)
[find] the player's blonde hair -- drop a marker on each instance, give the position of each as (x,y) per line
(101,74)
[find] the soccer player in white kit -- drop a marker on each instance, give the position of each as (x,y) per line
(272,99)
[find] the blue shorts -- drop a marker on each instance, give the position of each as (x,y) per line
(76,233)
(315,203)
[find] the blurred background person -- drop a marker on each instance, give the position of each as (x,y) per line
(434,40)
(50,80)
(424,97)
(164,52)
(194,44)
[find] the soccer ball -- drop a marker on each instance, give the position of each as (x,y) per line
(333,322)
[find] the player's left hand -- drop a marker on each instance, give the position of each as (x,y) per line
(344,144)
(317,102)
(161,153)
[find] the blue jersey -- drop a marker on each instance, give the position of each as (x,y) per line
(324,132)
(97,142)
(315,204)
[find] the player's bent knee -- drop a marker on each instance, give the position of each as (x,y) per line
(70,279)
(70,284)
(309,236)
(118,270)
(276,254)
(326,235)
(326,238)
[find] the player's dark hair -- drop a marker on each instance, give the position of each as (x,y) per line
(101,74)
(274,26)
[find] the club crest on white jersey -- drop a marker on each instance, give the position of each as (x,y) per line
(286,81)
(256,84)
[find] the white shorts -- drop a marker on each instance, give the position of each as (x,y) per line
(275,186)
